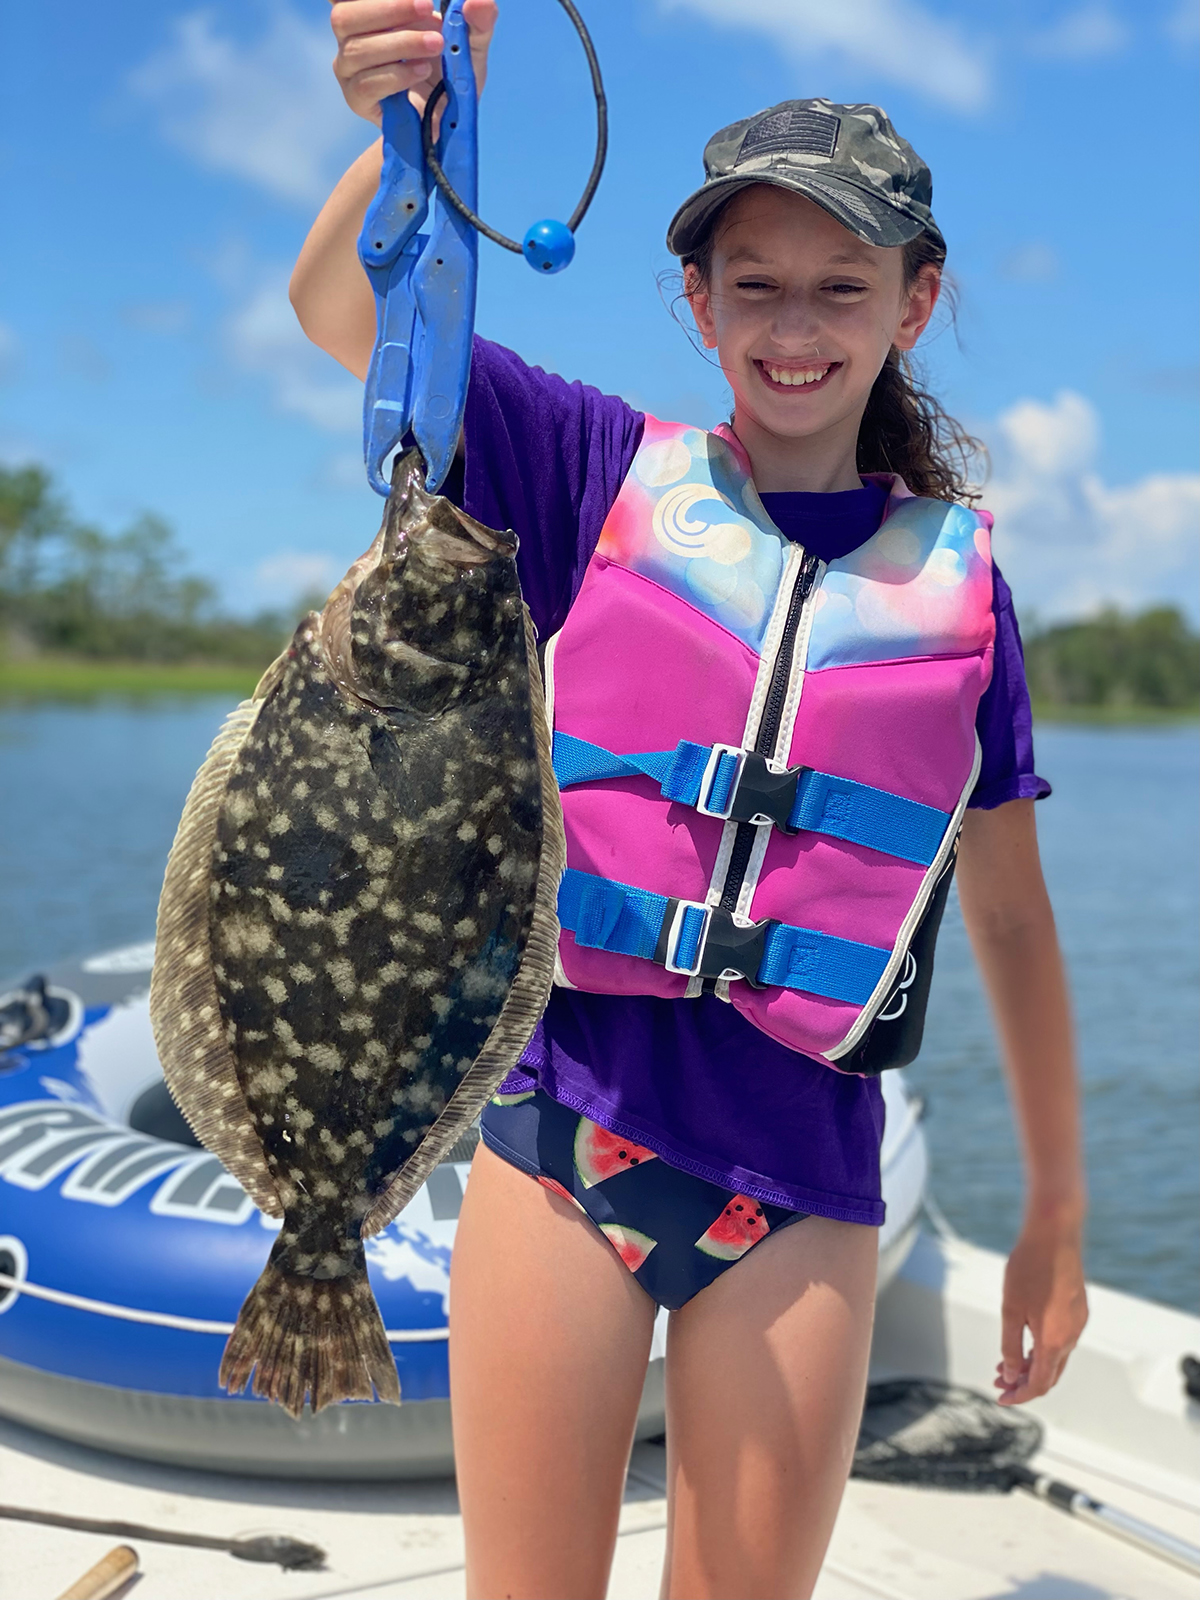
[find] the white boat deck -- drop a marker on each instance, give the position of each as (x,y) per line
(1118,1427)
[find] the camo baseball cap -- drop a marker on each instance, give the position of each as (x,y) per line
(848,159)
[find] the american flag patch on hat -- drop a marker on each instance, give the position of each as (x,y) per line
(792,130)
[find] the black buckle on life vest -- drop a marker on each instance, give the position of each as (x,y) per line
(761,795)
(725,950)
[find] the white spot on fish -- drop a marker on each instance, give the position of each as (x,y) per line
(341,973)
(242,936)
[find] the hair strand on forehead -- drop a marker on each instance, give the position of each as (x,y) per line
(904,430)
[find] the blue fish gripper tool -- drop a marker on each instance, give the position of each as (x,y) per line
(424,276)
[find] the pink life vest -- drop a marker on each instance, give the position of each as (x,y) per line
(765,758)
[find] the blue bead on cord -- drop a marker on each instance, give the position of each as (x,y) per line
(548,246)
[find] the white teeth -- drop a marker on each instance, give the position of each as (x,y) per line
(792,379)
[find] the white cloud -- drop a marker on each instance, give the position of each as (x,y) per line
(1069,542)
(10,353)
(1034,262)
(269,110)
(1085,34)
(1056,441)
(899,40)
(1183,24)
(292,575)
(342,470)
(265,339)
(157,316)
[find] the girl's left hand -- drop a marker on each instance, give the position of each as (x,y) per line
(1044,1291)
(388,47)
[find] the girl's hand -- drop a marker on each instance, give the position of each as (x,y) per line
(1043,1291)
(389,46)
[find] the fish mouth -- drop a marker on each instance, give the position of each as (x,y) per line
(444,532)
(415,524)
(448,534)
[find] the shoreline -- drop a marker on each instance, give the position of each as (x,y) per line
(1113,716)
(45,680)
(48,680)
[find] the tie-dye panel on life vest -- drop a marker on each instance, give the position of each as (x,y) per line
(689,518)
(921,586)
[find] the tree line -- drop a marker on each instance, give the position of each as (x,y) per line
(70,589)
(1148,661)
(67,588)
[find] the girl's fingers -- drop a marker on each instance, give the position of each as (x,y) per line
(388,47)
(351,17)
(480,18)
(1048,1362)
(385,49)
(1012,1344)
(1012,1390)
(365,90)
(1036,1375)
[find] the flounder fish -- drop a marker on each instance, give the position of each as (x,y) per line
(357,926)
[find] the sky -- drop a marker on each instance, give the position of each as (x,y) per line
(161,164)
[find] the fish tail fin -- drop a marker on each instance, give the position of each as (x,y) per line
(307,1338)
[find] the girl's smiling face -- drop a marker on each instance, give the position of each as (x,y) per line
(802,314)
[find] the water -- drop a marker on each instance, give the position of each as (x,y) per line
(1121,851)
(89,800)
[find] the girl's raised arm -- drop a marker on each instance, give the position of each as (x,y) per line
(1011,925)
(384,47)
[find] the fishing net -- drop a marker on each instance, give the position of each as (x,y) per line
(935,1435)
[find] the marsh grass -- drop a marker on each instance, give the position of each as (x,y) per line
(81,679)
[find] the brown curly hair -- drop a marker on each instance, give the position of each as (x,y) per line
(904,429)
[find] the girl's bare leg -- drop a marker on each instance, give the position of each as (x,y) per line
(766,1370)
(549,1340)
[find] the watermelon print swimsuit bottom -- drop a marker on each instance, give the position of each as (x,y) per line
(675,1232)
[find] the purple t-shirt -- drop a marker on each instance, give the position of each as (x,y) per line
(692,1079)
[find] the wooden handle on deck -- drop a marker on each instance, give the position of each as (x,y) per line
(106,1577)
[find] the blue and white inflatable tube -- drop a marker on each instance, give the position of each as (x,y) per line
(126,1252)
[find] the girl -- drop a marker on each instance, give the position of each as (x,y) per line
(702,1079)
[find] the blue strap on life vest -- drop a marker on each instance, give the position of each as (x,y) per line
(704,941)
(800,800)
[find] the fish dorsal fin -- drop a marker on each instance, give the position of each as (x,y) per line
(184,1007)
(526,999)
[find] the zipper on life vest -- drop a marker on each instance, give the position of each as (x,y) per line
(767,734)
